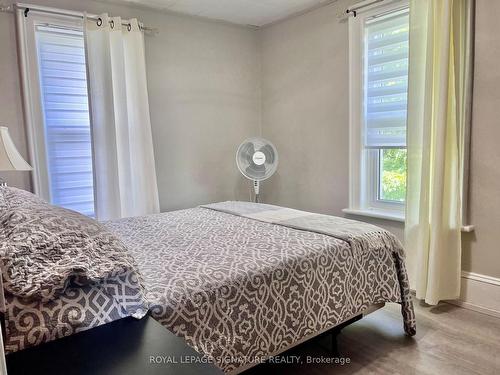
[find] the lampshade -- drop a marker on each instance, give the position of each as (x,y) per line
(10,158)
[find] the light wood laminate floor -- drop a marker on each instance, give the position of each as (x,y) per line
(449,340)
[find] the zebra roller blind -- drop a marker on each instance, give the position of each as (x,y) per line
(63,87)
(386,80)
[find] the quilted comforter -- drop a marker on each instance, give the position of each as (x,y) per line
(62,272)
(242,281)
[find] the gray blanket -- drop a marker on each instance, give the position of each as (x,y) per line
(361,236)
(238,289)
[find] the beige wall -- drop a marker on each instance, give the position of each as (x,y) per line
(305,110)
(482,248)
(204,85)
(204,92)
(305,113)
(11,113)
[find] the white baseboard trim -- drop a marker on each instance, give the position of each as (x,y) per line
(479,293)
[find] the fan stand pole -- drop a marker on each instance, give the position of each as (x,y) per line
(256,188)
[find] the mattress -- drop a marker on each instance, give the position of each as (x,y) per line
(241,281)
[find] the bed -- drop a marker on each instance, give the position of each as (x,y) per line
(238,281)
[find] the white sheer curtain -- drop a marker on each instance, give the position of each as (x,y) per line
(124,167)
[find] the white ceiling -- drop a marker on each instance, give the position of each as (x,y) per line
(243,12)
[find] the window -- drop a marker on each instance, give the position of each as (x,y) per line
(378,93)
(60,137)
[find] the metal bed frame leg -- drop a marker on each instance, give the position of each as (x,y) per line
(334,335)
(334,343)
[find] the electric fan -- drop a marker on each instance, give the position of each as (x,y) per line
(257,160)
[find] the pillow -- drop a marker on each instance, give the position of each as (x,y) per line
(45,248)
(14,198)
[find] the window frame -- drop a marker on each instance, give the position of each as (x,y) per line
(364,163)
(32,95)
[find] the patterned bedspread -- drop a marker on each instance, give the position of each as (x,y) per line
(239,288)
(33,322)
(62,273)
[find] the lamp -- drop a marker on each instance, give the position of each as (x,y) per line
(10,158)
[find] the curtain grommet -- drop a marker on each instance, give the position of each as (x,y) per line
(112,24)
(99,21)
(129,27)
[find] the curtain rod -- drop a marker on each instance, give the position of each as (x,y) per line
(36,8)
(353,11)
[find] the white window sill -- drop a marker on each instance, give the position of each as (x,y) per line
(379,214)
(390,215)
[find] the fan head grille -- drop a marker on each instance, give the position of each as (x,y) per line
(257,159)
